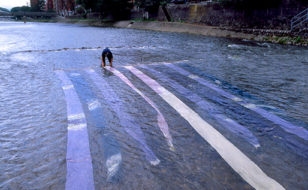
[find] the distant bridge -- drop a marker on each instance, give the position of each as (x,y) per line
(19,15)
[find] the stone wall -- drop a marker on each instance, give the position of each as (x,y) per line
(214,14)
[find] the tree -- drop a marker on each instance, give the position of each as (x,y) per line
(88,4)
(117,9)
(41,5)
(150,5)
(251,4)
(4,9)
(21,9)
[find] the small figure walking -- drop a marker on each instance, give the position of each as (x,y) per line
(107,52)
(24,19)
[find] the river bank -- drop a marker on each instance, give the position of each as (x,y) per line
(272,36)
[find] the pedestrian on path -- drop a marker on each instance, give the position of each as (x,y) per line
(107,52)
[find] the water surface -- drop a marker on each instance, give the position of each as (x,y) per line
(33,116)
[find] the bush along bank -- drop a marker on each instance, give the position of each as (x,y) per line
(299,41)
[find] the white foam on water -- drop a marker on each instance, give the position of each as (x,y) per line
(76,127)
(250,106)
(75,74)
(155,162)
(113,164)
(236,99)
(234,46)
(76,116)
(67,87)
(94,104)
(217,82)
(193,76)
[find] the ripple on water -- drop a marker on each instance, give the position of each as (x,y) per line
(33,111)
(32,131)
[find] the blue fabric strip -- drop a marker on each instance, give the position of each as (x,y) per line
(126,120)
(111,147)
(210,108)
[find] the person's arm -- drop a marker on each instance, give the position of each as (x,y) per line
(111,62)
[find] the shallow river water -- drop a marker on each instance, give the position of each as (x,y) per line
(179,111)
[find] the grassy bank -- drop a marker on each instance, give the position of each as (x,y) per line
(287,40)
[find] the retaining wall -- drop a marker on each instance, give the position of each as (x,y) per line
(215,14)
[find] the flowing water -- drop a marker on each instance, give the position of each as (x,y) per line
(254,94)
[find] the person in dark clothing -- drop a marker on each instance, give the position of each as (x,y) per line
(107,52)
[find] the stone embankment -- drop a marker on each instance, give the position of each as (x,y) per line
(275,36)
(186,28)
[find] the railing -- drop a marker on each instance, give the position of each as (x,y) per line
(299,19)
(35,14)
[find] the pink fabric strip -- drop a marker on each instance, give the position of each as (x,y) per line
(160,118)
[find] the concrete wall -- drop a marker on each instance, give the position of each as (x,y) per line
(215,14)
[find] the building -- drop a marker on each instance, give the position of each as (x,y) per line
(64,7)
(50,5)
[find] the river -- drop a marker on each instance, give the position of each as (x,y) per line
(179,111)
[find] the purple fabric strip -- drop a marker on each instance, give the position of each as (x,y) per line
(285,125)
(78,158)
(160,118)
(126,120)
(236,159)
(230,124)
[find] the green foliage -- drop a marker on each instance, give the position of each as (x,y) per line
(150,5)
(283,40)
(251,4)
(80,10)
(21,9)
(41,5)
(4,9)
(88,4)
(117,9)
(298,40)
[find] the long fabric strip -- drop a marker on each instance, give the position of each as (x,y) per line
(285,125)
(111,147)
(126,120)
(230,124)
(240,163)
(79,172)
(161,122)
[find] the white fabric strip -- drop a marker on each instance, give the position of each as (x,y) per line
(240,163)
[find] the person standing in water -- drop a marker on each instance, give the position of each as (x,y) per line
(107,52)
